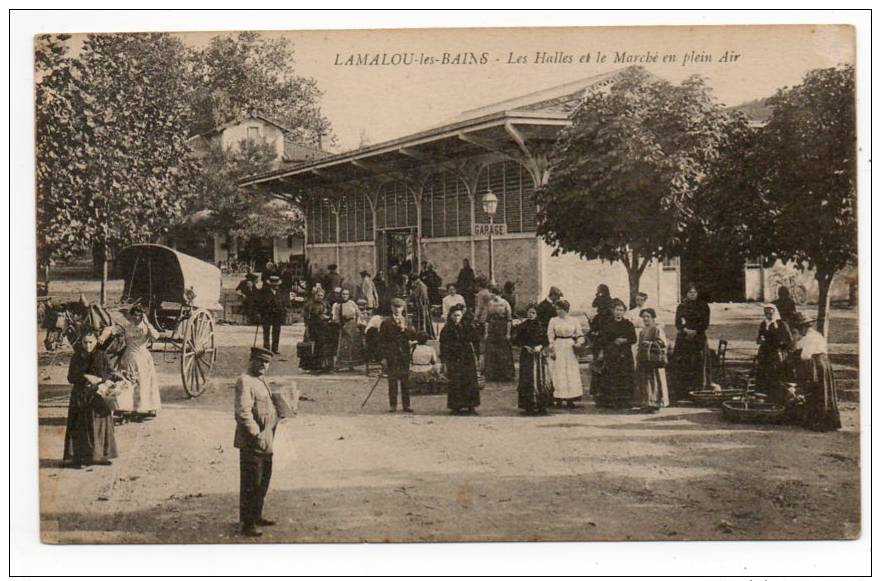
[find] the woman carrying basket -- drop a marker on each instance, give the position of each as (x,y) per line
(651,358)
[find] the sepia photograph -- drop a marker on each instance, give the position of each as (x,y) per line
(447,285)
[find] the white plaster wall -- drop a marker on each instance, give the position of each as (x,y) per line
(753,281)
(232,136)
(578,279)
(281,251)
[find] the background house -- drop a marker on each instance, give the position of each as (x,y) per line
(222,247)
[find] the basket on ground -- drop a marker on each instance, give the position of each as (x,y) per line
(751,412)
(712,398)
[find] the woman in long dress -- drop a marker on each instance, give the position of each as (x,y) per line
(564,334)
(534,390)
(691,356)
(350,349)
(813,373)
(616,382)
(382,293)
(137,363)
(421,306)
(457,340)
(774,340)
(651,377)
(602,314)
(499,357)
(89,437)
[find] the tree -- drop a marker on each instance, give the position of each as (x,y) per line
(59,122)
(245,73)
(795,179)
(625,172)
(118,169)
(231,209)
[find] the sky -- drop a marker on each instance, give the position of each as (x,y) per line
(381,102)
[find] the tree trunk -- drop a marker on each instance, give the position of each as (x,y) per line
(824,281)
(633,277)
(103,299)
(635,266)
(43,278)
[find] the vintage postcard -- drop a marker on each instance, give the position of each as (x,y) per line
(535,284)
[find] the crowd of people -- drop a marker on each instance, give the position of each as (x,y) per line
(630,358)
(633,363)
(392,322)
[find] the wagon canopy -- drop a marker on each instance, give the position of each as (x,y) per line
(166,274)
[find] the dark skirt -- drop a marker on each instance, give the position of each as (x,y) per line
(323,336)
(422,320)
(535,393)
(770,373)
(816,382)
(463,390)
(498,359)
(690,365)
(89,436)
(615,386)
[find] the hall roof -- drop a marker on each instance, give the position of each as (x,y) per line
(508,128)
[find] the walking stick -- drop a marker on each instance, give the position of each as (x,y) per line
(256,331)
(378,379)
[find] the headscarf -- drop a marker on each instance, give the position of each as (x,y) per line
(775,316)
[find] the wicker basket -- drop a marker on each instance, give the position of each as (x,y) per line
(713,399)
(750,412)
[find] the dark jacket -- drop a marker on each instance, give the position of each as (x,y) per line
(395,344)
(693,315)
(433,281)
(272,305)
(332,280)
(546,311)
(465,281)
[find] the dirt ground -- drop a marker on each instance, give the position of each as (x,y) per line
(346,474)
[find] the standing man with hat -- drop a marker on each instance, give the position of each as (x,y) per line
(394,338)
(273,305)
(256,420)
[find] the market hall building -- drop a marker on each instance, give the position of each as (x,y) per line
(420,198)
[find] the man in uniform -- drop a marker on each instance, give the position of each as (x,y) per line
(273,311)
(394,338)
(256,420)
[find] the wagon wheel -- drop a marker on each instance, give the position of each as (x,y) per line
(197,352)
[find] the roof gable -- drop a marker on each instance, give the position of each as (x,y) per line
(241,121)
